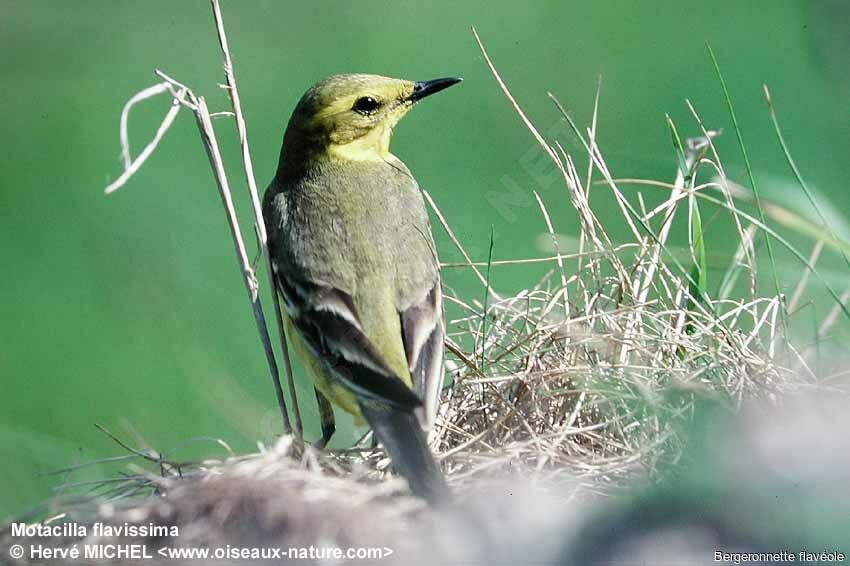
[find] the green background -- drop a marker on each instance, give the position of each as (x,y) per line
(129,311)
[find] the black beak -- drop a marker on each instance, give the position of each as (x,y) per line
(421,89)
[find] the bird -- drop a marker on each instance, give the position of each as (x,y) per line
(354,262)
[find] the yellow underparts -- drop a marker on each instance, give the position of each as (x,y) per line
(336,393)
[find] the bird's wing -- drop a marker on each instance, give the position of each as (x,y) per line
(329,324)
(422,330)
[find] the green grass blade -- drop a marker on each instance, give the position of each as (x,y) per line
(752,179)
(698,247)
(803,185)
(698,287)
(486,296)
(635,215)
(787,245)
(680,149)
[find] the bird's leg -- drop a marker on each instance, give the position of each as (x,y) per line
(326,417)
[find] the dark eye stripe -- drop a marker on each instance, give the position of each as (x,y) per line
(365,105)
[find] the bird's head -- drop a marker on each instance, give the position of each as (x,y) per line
(353,116)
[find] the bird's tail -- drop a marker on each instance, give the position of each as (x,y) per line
(404,440)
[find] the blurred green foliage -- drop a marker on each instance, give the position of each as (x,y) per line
(128,311)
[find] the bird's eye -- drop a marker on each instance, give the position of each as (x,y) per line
(365,105)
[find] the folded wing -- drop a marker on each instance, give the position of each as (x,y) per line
(328,322)
(422,329)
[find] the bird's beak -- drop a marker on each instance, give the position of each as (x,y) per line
(421,89)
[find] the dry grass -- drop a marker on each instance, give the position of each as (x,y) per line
(595,370)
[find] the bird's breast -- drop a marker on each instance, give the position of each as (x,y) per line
(349,222)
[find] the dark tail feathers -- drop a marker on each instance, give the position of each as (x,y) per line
(404,440)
